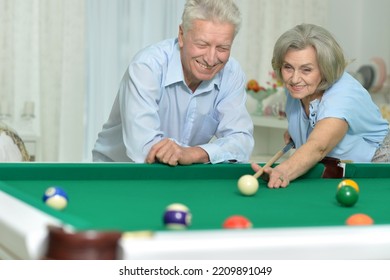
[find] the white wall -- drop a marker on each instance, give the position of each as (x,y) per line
(362,27)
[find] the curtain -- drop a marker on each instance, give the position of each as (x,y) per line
(263,22)
(116,31)
(42,73)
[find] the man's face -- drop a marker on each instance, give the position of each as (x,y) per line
(204,50)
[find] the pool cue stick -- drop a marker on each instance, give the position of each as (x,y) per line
(280,153)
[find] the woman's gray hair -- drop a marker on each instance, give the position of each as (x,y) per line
(330,56)
(211,10)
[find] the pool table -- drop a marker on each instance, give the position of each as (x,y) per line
(127,202)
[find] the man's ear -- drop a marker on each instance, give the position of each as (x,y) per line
(180,36)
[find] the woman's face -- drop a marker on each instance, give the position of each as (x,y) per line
(301,73)
(204,49)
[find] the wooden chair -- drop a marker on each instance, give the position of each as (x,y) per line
(12,147)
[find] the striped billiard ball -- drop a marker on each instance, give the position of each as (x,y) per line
(55,197)
(177,216)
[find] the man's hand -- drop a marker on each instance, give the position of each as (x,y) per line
(168,152)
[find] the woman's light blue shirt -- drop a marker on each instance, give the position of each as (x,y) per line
(347,100)
(154,102)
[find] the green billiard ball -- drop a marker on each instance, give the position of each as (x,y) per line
(347,196)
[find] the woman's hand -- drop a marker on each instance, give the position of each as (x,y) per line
(276,178)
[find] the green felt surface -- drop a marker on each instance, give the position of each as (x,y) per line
(129,197)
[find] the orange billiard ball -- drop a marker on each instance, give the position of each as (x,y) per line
(348,182)
(359,219)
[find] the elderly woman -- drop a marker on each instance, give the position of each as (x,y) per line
(329,112)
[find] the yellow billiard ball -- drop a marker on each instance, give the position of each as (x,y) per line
(348,182)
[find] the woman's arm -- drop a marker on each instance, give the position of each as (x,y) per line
(324,137)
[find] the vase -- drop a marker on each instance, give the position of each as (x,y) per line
(259,97)
(251,104)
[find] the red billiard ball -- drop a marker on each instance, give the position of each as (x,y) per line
(359,220)
(177,216)
(347,196)
(237,222)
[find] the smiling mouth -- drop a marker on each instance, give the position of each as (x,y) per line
(205,66)
(297,87)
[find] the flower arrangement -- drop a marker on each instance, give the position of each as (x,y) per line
(272,85)
(259,92)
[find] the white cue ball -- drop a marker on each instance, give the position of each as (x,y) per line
(248,185)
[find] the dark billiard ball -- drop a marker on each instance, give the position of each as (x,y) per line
(237,222)
(347,196)
(348,182)
(177,216)
(55,197)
